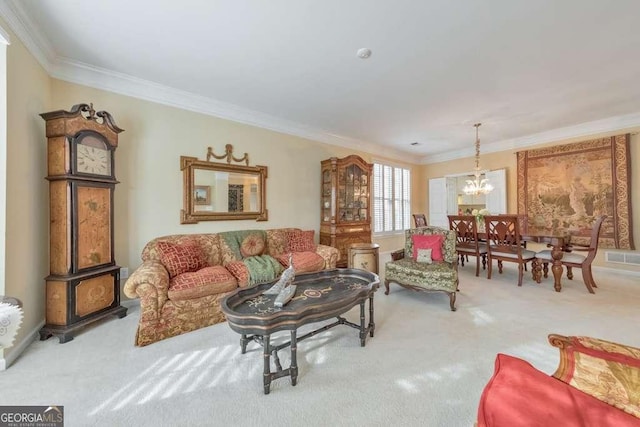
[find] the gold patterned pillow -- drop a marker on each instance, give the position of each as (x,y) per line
(605,370)
(252,245)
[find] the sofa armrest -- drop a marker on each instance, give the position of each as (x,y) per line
(519,395)
(329,254)
(606,370)
(150,283)
(396,255)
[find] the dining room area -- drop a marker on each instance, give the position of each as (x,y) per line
(561,209)
(509,238)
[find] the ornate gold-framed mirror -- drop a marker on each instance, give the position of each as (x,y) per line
(214,191)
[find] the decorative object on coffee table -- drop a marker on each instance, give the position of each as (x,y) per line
(322,296)
(84,281)
(284,287)
(345,206)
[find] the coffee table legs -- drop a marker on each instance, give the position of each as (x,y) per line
(372,325)
(267,350)
(363,329)
(243,343)
(266,354)
(293,368)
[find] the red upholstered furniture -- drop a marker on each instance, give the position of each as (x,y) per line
(601,389)
(184,277)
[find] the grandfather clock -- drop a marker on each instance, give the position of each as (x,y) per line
(84,281)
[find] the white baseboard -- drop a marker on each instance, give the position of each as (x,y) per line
(17,349)
(130,302)
(616,271)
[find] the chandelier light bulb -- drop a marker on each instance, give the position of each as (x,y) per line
(477,186)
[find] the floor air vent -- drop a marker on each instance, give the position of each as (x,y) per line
(630,258)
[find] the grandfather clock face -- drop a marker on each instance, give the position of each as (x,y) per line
(92,155)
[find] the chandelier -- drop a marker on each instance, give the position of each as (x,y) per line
(477,186)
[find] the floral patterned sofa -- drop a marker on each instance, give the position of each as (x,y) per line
(597,383)
(428,262)
(184,277)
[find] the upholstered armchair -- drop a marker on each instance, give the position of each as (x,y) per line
(428,262)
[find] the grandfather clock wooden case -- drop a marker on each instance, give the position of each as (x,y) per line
(345,211)
(84,281)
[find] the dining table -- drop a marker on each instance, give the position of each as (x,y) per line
(557,240)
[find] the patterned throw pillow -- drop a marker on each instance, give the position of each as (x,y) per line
(424,255)
(300,241)
(604,370)
(240,272)
(303,262)
(181,258)
(432,241)
(252,245)
(206,281)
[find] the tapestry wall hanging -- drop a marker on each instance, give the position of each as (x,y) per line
(566,187)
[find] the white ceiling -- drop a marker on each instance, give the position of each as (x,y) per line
(530,71)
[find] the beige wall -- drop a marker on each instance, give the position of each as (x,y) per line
(28,94)
(149,197)
(507,160)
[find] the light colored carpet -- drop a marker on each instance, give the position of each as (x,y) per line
(426,365)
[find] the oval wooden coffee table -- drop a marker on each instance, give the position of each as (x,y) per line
(319,296)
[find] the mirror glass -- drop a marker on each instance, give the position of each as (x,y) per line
(467,203)
(218,191)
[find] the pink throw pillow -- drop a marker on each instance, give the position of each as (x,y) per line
(300,241)
(181,258)
(433,242)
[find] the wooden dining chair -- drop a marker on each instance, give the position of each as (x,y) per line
(523,223)
(571,259)
(420,220)
(467,242)
(504,243)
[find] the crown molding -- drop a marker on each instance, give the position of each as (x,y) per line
(76,72)
(13,13)
(99,78)
(124,84)
(4,37)
(587,129)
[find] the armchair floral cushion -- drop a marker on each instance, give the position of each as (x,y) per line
(408,272)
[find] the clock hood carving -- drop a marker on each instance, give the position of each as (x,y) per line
(81,117)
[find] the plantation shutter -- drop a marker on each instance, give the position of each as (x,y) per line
(391,198)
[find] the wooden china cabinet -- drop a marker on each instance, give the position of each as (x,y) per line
(345,203)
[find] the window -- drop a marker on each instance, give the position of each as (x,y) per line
(391,198)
